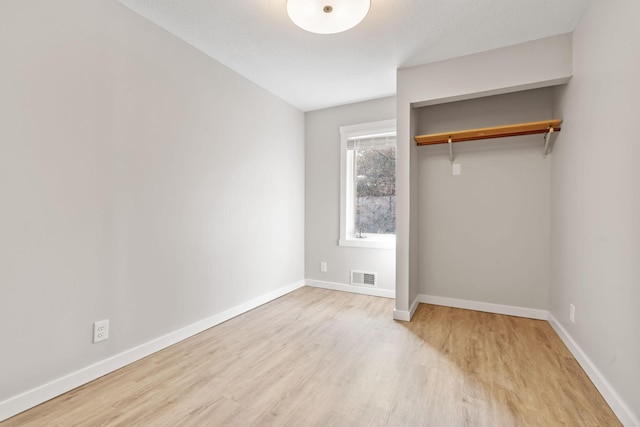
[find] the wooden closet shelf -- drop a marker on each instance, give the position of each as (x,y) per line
(491,132)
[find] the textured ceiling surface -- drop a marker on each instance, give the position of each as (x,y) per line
(311,71)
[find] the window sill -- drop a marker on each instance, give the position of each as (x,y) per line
(371,241)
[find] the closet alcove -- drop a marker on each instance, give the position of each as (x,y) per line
(484,224)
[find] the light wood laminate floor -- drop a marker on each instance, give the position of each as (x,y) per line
(325,358)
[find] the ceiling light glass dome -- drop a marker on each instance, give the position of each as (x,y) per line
(327,16)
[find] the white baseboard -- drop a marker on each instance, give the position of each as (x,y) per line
(414,307)
(22,402)
(531,313)
(619,407)
(403,315)
(364,290)
(406,315)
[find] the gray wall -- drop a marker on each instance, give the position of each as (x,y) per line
(322,195)
(484,235)
(140,181)
(596,197)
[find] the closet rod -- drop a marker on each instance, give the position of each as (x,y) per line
(528,128)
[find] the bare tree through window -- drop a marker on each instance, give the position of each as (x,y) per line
(375,191)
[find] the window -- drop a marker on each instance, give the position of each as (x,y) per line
(368,185)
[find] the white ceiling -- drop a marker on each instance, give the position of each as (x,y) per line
(311,71)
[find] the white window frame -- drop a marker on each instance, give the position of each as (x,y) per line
(347,232)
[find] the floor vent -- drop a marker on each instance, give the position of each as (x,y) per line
(363,278)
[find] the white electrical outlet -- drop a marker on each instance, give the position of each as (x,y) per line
(456,169)
(100,330)
(323,267)
(572,313)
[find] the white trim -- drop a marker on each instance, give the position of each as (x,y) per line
(414,307)
(22,402)
(531,313)
(404,315)
(355,289)
(346,192)
(378,127)
(373,242)
(619,407)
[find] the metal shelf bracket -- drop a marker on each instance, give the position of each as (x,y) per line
(547,137)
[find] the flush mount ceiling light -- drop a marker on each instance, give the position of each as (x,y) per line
(327,16)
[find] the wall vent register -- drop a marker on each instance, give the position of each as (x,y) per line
(363,278)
